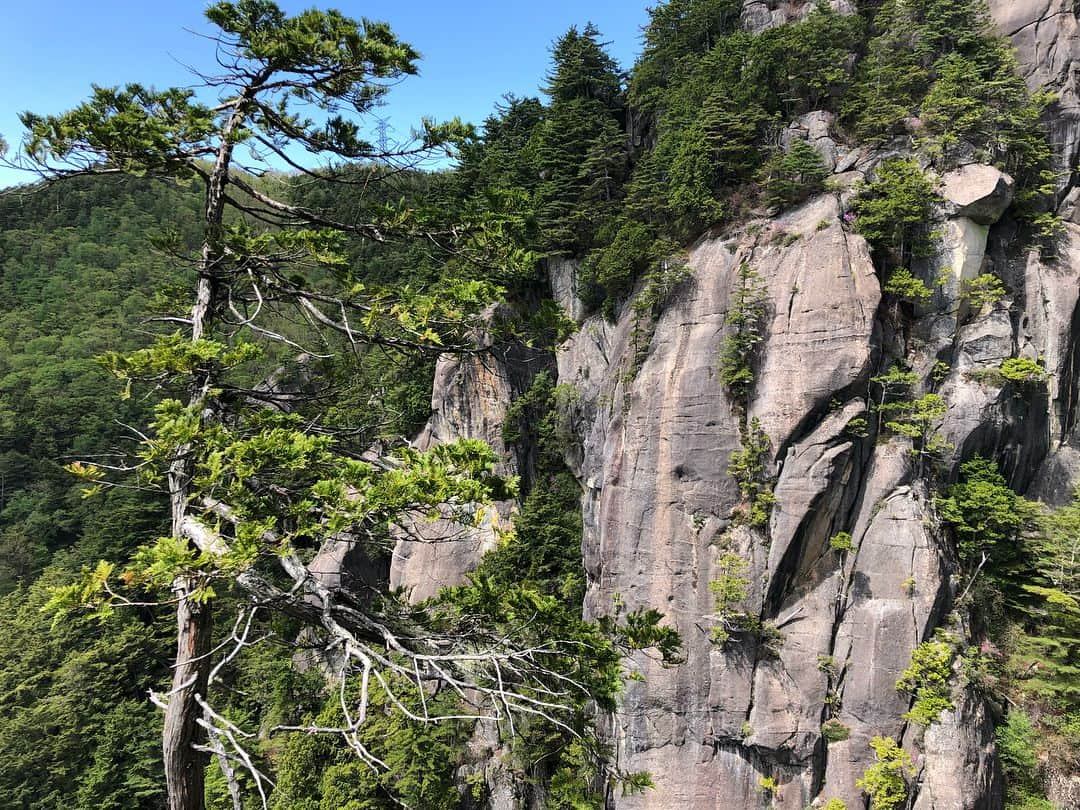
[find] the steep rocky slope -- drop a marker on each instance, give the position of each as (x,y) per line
(656,430)
(659,498)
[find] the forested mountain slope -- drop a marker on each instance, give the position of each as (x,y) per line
(786,350)
(79,276)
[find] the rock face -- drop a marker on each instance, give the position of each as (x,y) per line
(1051,290)
(470,398)
(655,436)
(1046,35)
(759,15)
(841,625)
(953,770)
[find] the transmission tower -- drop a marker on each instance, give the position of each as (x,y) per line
(382,130)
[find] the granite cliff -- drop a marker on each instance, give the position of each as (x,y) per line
(655,429)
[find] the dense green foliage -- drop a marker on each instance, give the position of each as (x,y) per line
(987,516)
(544,550)
(715,94)
(610,173)
(894,212)
(842,542)
(1023,371)
(943,61)
(78,278)
(834,731)
(322,773)
(927,678)
(76,729)
(886,781)
(906,287)
(677,30)
(581,155)
(730,590)
(916,418)
(939,70)
(80,275)
(1025,596)
(1047,653)
(982,291)
(1018,744)
(792,176)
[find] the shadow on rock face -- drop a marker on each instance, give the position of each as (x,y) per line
(860,587)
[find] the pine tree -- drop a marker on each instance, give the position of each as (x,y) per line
(1048,654)
(678,31)
(580,148)
(582,69)
(792,176)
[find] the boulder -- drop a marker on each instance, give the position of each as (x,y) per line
(978,192)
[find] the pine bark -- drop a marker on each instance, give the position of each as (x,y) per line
(185,767)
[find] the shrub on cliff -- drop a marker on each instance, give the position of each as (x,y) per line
(792,176)
(746,320)
(886,780)
(894,210)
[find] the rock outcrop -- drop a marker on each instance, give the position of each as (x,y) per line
(563,274)
(759,15)
(955,767)
(1046,35)
(816,129)
(470,397)
(977,192)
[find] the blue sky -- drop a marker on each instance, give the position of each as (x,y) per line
(474,51)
